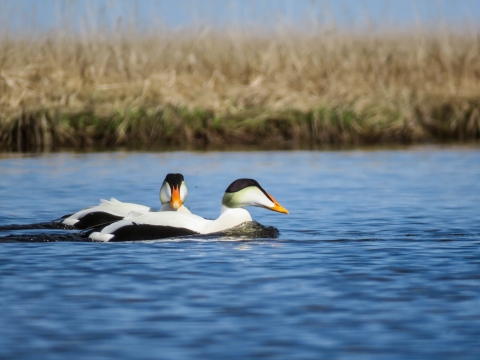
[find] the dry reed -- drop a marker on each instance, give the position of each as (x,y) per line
(207,87)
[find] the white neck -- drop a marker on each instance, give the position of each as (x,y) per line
(168,207)
(224,209)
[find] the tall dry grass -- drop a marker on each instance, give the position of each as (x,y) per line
(210,87)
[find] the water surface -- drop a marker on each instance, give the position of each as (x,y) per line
(378,259)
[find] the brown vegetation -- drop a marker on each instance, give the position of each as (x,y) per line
(221,88)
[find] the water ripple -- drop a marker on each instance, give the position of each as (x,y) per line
(378,259)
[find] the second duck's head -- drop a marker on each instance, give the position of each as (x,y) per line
(173,190)
(248,192)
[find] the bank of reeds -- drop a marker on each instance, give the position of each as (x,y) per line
(205,87)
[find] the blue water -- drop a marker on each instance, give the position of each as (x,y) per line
(378,259)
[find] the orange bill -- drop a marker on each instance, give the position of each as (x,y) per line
(277,206)
(176,201)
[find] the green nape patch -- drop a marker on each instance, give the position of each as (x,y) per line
(172,127)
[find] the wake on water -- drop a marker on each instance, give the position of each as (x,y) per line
(55,231)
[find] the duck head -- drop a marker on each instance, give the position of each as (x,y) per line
(248,192)
(173,190)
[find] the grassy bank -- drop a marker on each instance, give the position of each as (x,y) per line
(195,89)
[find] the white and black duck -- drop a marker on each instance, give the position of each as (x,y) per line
(173,194)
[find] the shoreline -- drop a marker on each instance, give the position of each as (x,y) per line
(173,128)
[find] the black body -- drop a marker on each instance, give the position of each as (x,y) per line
(148,232)
(96,218)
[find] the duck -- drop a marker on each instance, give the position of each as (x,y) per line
(173,194)
(150,226)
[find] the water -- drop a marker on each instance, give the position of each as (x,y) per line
(378,259)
